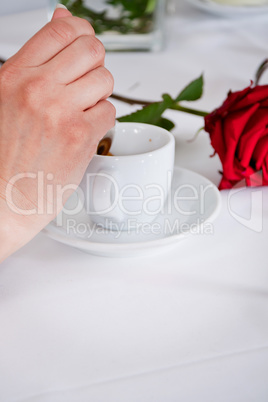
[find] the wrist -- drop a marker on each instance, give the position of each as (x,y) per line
(17,226)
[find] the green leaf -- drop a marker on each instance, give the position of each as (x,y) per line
(150,114)
(151,4)
(192,92)
(165,123)
(131,15)
(133,8)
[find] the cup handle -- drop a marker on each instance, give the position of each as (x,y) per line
(105,195)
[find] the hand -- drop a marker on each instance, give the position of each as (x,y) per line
(53,112)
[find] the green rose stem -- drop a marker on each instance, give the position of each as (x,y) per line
(152,112)
(178,107)
(189,110)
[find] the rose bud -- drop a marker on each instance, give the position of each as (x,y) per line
(239,135)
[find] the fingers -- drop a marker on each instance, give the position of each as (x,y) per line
(100,119)
(51,39)
(83,55)
(61,12)
(90,89)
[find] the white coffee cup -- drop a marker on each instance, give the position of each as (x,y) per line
(130,187)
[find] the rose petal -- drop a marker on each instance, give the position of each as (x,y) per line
(265,172)
(254,95)
(249,175)
(264,103)
(234,125)
(260,152)
(226,184)
(238,131)
(220,112)
(217,140)
(254,130)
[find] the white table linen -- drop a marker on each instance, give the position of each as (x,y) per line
(188,324)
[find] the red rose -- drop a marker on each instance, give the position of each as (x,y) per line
(239,134)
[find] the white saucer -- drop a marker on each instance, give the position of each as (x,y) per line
(198,203)
(229,11)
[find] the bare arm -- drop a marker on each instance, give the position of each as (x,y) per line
(53,112)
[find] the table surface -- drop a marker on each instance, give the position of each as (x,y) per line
(187,324)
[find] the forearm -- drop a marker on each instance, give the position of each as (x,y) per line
(53,113)
(16,229)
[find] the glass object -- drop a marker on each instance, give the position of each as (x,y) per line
(122,24)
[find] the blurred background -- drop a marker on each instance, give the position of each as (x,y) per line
(140,23)
(13,6)
(17,6)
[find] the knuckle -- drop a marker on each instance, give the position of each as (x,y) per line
(85,25)
(96,49)
(109,80)
(33,91)
(62,31)
(109,112)
(91,50)
(105,80)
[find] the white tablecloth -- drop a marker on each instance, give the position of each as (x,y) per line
(188,324)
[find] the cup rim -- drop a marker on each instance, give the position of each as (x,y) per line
(170,136)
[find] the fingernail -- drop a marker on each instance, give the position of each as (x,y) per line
(60,6)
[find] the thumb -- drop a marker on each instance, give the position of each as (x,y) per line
(60,12)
